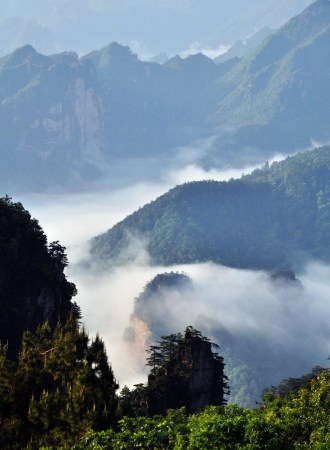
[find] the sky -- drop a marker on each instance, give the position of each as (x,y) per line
(147,26)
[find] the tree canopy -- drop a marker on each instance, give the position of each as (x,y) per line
(60,386)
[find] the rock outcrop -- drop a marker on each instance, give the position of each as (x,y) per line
(190,374)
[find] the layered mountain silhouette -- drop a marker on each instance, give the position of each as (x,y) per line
(69,120)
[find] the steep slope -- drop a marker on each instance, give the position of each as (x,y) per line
(278,97)
(151,108)
(65,121)
(187,373)
(277,216)
(150,306)
(33,288)
(246,47)
(50,120)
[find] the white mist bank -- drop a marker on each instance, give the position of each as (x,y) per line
(75,218)
(246,303)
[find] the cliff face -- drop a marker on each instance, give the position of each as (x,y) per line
(55,103)
(193,377)
(203,377)
(70,123)
(33,287)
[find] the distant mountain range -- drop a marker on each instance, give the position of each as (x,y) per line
(66,121)
(62,24)
(276,217)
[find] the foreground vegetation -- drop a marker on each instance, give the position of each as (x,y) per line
(60,394)
(297,421)
(60,385)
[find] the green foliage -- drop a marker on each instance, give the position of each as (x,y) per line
(297,422)
(214,428)
(133,402)
(291,386)
(266,220)
(57,253)
(61,386)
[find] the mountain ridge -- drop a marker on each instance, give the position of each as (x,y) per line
(71,120)
(275,217)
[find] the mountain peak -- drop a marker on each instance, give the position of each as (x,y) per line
(299,30)
(319,9)
(114,53)
(23,55)
(194,62)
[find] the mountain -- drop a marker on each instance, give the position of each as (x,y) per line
(69,121)
(277,216)
(242,48)
(50,120)
(66,121)
(277,97)
(152,300)
(33,287)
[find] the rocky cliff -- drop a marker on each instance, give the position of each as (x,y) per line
(54,103)
(192,375)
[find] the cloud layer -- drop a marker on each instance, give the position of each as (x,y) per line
(245,308)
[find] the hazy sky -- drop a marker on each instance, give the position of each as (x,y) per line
(147,26)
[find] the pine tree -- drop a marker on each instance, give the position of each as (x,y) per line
(8,421)
(83,395)
(61,386)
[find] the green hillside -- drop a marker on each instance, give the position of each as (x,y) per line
(275,217)
(278,96)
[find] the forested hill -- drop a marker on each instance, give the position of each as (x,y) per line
(277,216)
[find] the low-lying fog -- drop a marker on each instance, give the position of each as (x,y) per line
(244,303)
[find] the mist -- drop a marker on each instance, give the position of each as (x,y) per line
(245,312)
(284,325)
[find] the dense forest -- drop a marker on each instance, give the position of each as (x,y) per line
(276,217)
